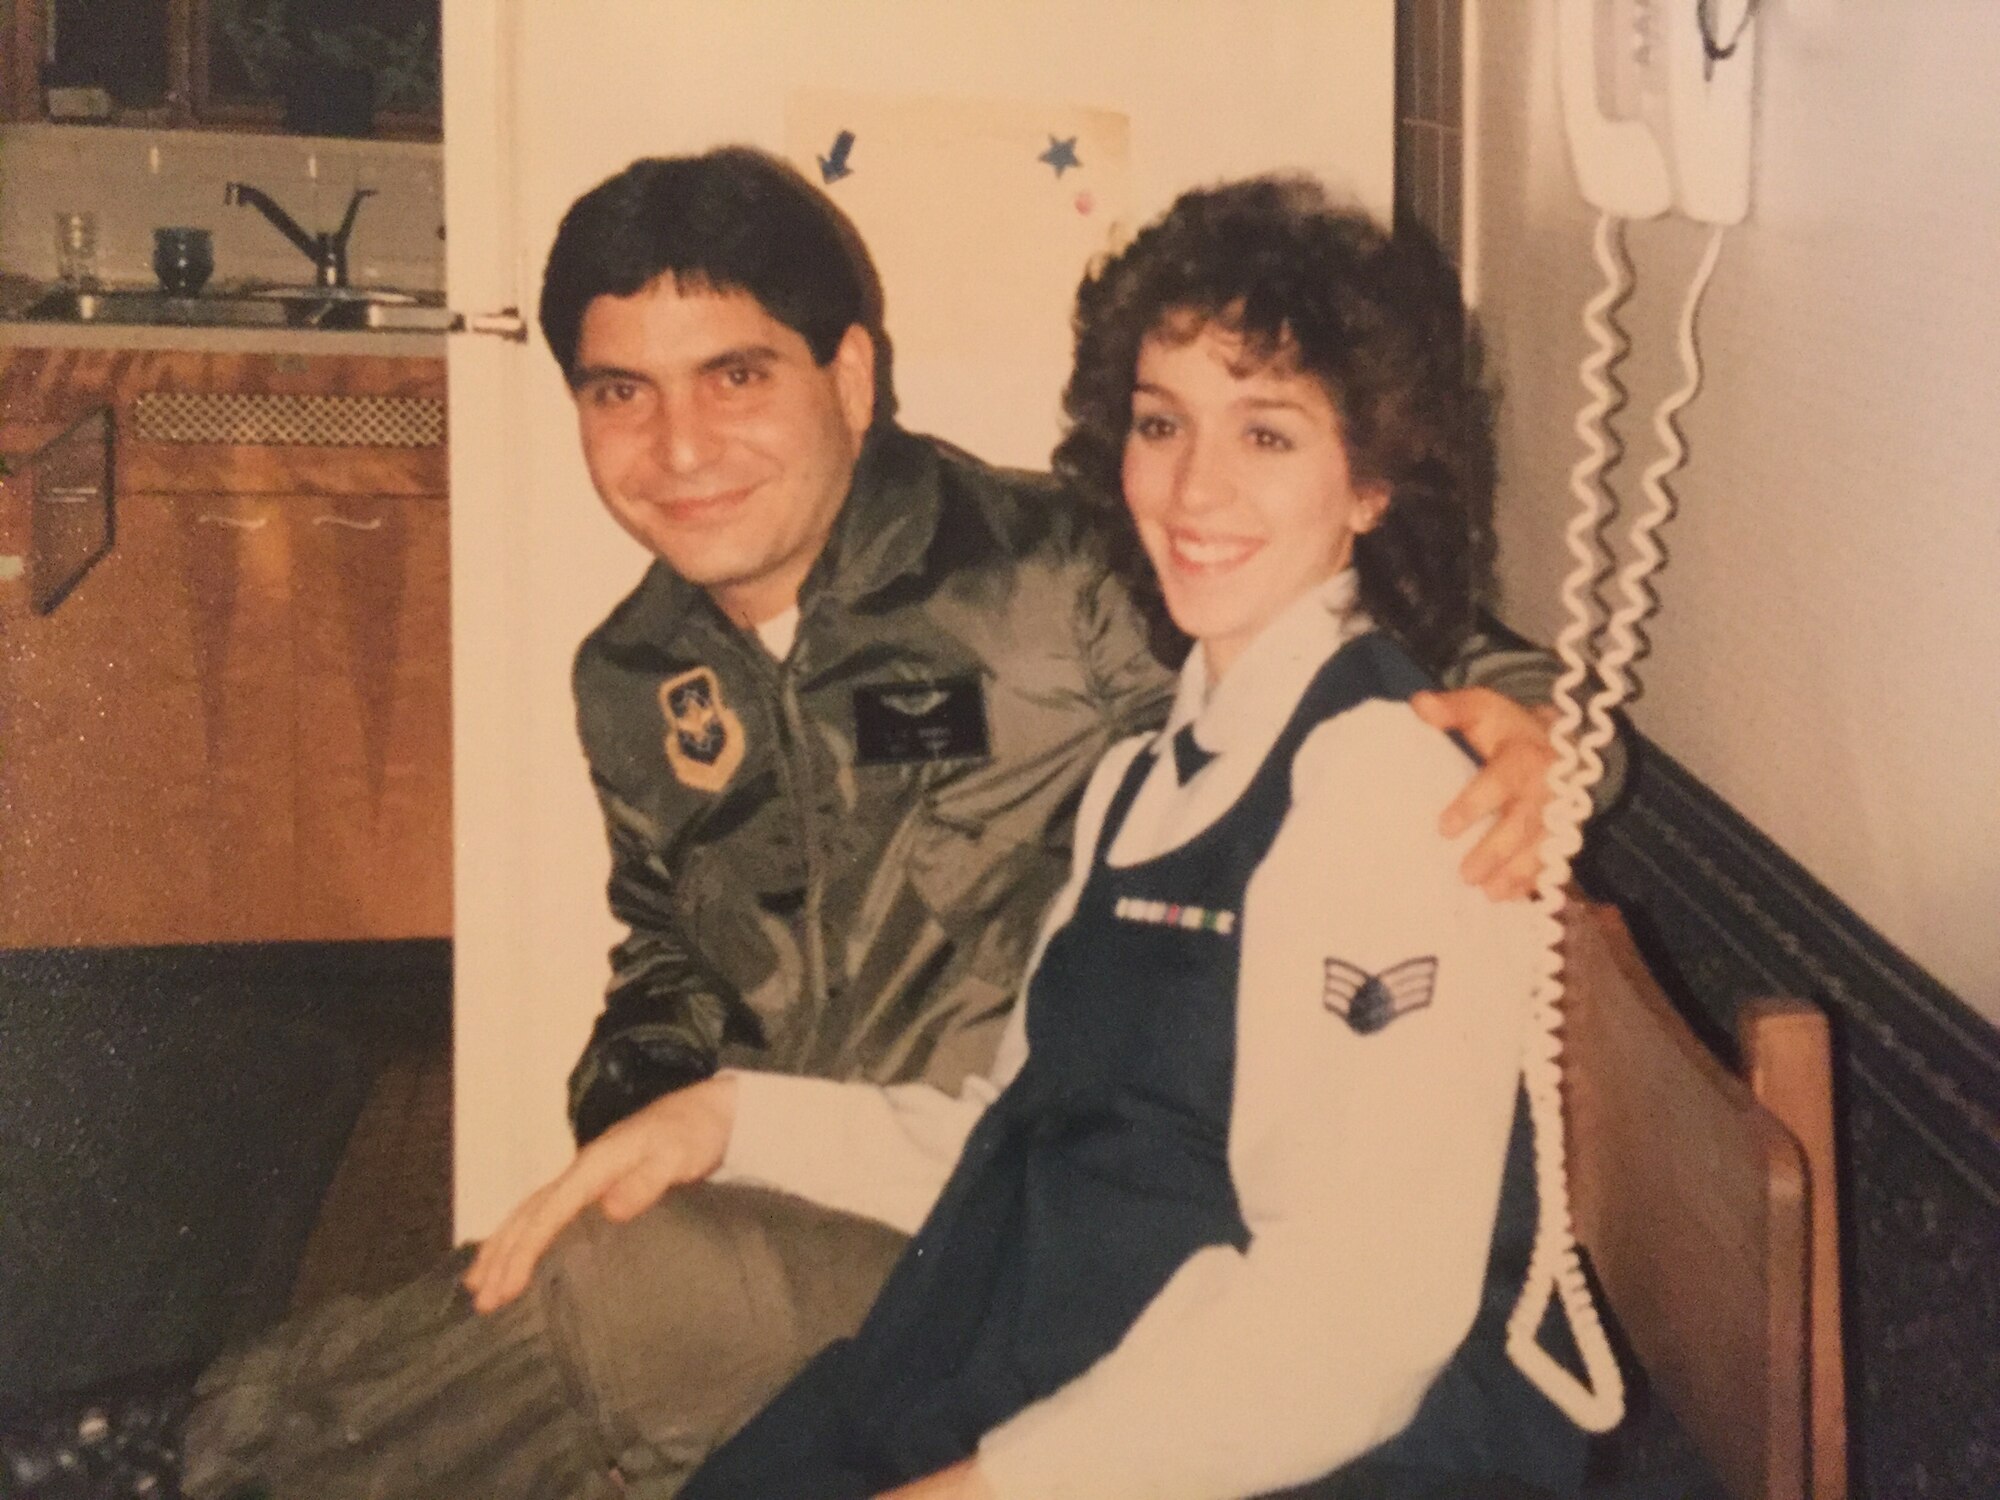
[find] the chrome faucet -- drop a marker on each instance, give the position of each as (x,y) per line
(327,251)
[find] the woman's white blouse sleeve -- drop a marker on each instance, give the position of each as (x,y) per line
(1367,1162)
(885,1152)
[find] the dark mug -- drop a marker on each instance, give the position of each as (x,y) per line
(183,259)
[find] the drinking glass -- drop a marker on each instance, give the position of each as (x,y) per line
(76,248)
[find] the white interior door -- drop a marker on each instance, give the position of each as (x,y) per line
(958,115)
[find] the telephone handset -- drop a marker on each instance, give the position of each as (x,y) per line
(1656,120)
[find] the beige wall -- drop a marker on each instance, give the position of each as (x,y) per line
(1826,656)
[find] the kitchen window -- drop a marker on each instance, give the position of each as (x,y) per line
(323,67)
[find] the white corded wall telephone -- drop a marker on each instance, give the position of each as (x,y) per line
(1655,121)
(1656,103)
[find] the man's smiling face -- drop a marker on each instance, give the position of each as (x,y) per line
(716,440)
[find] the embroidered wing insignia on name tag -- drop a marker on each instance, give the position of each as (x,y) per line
(896,722)
(1369,1002)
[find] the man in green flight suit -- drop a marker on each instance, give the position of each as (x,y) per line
(838,733)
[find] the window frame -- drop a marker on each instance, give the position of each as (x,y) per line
(188,104)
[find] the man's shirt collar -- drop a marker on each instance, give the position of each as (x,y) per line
(885,527)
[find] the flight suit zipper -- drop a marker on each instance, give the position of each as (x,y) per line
(800,789)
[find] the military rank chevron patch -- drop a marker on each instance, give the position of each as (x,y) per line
(1369,1002)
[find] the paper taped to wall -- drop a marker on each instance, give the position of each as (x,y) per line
(981,216)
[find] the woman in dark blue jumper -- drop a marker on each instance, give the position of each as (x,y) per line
(1244,1201)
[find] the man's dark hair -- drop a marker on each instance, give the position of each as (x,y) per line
(1377,320)
(732,220)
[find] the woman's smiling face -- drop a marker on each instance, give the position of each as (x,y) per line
(1237,478)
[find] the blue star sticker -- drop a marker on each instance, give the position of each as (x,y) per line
(1061,155)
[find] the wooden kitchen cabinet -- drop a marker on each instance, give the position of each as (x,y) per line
(237,727)
(144,776)
(372,631)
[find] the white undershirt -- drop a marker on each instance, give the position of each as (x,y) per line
(778,633)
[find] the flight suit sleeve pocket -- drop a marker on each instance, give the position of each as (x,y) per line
(717,918)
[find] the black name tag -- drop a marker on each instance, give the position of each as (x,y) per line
(905,721)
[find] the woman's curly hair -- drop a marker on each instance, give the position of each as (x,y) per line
(1376,319)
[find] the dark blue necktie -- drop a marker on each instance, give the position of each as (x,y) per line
(1189,757)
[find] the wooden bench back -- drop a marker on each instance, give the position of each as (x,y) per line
(1710,1228)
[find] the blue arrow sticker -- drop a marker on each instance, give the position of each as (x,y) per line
(833,166)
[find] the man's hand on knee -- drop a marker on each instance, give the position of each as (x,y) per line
(1511,787)
(676,1139)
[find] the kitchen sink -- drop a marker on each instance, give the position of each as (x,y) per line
(335,307)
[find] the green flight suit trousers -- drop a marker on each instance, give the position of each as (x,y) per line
(638,1348)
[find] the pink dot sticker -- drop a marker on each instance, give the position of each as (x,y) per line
(1085,203)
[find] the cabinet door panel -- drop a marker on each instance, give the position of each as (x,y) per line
(89,711)
(236,568)
(372,612)
(145,794)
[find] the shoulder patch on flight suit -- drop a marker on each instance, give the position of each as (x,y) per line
(1368,1002)
(704,736)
